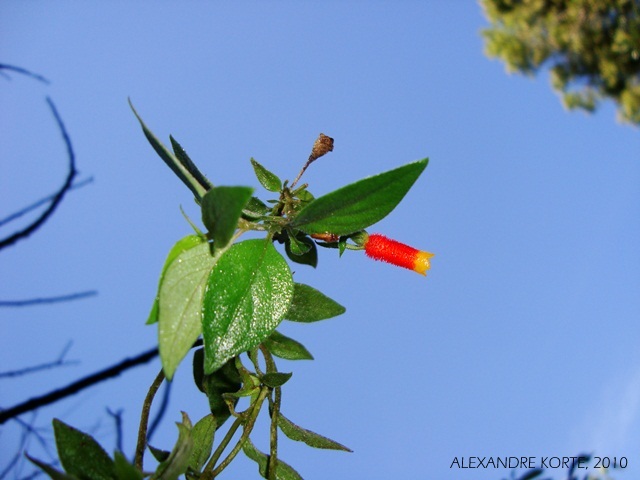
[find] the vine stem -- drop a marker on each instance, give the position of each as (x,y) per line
(275,412)
(144,420)
(248,427)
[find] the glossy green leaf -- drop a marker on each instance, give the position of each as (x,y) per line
(284,347)
(248,292)
(172,161)
(221,382)
(283,470)
(182,245)
(310,305)
(180,305)
(202,434)
(268,180)
(310,257)
(295,432)
(50,470)
(80,455)
(186,162)
(359,204)
(125,470)
(221,210)
(276,379)
(178,460)
(255,208)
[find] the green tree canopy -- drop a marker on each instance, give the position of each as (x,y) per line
(591,46)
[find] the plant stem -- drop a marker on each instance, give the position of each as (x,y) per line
(144,419)
(223,444)
(275,411)
(273,435)
(248,427)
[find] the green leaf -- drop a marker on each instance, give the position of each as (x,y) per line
(248,292)
(221,382)
(295,432)
(178,460)
(186,162)
(267,179)
(80,455)
(310,305)
(283,471)
(255,208)
(276,379)
(202,434)
(182,245)
(159,454)
(221,210)
(49,470)
(124,470)
(180,305)
(285,347)
(187,177)
(310,257)
(359,204)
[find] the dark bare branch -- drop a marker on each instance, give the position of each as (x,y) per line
(57,198)
(24,71)
(77,386)
(47,300)
(42,201)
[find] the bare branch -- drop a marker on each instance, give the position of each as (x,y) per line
(47,300)
(161,411)
(24,71)
(41,202)
(57,198)
(117,419)
(45,366)
(75,387)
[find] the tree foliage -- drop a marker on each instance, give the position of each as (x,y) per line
(591,46)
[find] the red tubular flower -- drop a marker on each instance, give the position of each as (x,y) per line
(382,248)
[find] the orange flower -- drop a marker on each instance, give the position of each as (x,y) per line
(382,248)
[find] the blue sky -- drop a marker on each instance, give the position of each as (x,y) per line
(522,339)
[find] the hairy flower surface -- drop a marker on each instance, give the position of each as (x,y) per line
(382,248)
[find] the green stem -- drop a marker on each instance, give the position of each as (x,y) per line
(273,435)
(248,427)
(144,420)
(225,441)
(275,411)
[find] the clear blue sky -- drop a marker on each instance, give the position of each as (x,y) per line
(523,338)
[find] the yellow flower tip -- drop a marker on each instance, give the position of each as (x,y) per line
(421,263)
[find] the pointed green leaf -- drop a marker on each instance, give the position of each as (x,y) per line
(295,432)
(159,454)
(276,379)
(310,305)
(186,162)
(267,179)
(202,434)
(283,471)
(310,257)
(170,159)
(180,305)
(248,292)
(178,460)
(221,210)
(255,208)
(49,470)
(287,348)
(124,470)
(359,204)
(80,455)
(182,245)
